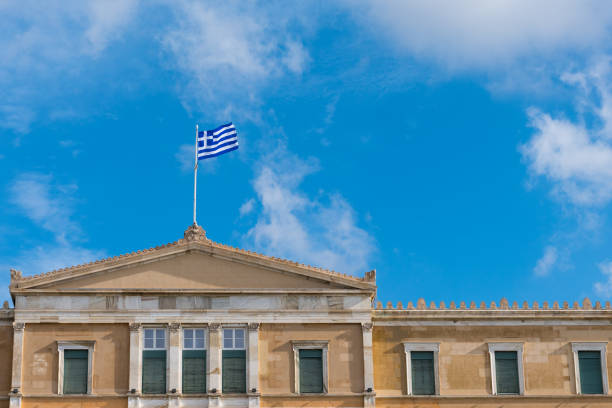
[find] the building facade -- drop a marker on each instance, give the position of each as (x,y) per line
(195,323)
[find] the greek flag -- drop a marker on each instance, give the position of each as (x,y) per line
(212,143)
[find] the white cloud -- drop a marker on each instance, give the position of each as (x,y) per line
(488,33)
(41,47)
(231,50)
(605,288)
(321,231)
(46,258)
(49,205)
(45,203)
(546,262)
(576,155)
(106,21)
(247,207)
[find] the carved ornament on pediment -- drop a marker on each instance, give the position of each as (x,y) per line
(15,275)
(195,233)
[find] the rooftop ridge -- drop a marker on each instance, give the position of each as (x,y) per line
(503,305)
(194,233)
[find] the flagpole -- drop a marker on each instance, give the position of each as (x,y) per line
(195,177)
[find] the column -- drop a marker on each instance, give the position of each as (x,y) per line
(368,366)
(214,363)
(175,370)
(15,397)
(253,366)
(135,380)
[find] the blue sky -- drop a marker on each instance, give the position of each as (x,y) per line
(461,149)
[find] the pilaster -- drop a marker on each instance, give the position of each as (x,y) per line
(253,365)
(18,332)
(175,368)
(368,366)
(135,380)
(214,363)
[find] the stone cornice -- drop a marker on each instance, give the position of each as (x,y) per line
(194,240)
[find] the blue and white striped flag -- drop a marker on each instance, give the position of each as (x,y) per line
(212,143)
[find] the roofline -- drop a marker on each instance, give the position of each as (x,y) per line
(194,240)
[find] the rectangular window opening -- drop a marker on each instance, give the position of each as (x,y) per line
(76,363)
(506,372)
(154,362)
(311,370)
(233,361)
(591,379)
(423,375)
(194,361)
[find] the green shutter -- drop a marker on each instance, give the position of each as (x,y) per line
(506,371)
(154,372)
(194,371)
(234,371)
(423,375)
(75,371)
(590,372)
(311,371)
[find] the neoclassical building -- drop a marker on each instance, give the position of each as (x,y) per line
(195,323)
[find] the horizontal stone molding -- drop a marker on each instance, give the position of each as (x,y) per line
(117,303)
(192,317)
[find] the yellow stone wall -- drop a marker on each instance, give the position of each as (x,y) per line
(464,368)
(110,362)
(276,365)
(74,402)
(6,359)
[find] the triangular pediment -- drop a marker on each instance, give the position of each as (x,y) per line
(193,271)
(193,263)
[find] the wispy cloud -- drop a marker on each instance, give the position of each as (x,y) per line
(546,262)
(605,288)
(49,205)
(575,156)
(230,51)
(486,34)
(38,49)
(46,203)
(320,230)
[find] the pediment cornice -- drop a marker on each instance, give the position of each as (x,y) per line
(193,241)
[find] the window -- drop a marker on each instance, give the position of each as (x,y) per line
(590,368)
(233,361)
(194,361)
(75,366)
(310,359)
(506,368)
(154,361)
(422,368)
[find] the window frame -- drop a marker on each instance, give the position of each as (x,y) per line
(409,347)
(194,347)
(75,345)
(518,347)
(144,348)
(144,335)
(590,346)
(233,329)
(245,348)
(298,345)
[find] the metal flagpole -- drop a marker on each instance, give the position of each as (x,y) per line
(195,177)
